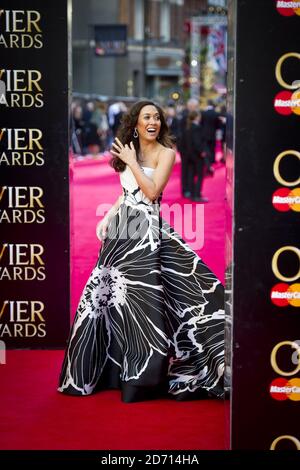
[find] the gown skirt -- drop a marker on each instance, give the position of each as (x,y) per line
(150,320)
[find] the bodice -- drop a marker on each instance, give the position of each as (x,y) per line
(132,193)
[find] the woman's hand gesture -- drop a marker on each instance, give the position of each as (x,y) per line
(125,152)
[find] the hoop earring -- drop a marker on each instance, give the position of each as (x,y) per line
(135,133)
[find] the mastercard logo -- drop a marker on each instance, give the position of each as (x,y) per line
(285,199)
(287,8)
(286,102)
(283,389)
(283,295)
(285,437)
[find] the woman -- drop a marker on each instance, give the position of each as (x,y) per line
(150,320)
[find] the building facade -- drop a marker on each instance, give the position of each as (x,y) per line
(153,65)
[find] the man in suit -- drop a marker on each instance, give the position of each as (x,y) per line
(210,123)
(191,106)
(195,149)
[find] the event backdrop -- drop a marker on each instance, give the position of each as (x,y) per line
(34,167)
(265,364)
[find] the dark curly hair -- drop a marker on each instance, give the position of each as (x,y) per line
(128,123)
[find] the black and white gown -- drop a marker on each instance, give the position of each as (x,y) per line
(150,320)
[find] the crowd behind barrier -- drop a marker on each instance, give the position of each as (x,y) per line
(95,120)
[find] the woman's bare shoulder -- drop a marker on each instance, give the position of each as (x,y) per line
(167,153)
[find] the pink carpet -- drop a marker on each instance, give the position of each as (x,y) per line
(34,416)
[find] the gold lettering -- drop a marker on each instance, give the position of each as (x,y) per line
(16,20)
(36,251)
(276,170)
(16,158)
(18,139)
(3,99)
(275,269)
(18,330)
(38,41)
(39,101)
(33,17)
(19,196)
(17,216)
(14,100)
(2,41)
(37,197)
(278,71)
(14,39)
(3,250)
(5,331)
(35,135)
(293,439)
(4,188)
(2,133)
(34,81)
(24,41)
(5,303)
(18,79)
(22,310)
(42,330)
(274,359)
(36,311)
(17,249)
(14,79)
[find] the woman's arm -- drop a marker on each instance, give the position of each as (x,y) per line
(150,187)
(114,208)
(101,227)
(153,187)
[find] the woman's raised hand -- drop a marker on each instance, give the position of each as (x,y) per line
(125,152)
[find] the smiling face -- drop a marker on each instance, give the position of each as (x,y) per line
(149,123)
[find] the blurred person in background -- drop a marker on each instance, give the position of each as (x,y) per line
(223,125)
(191,105)
(91,140)
(77,129)
(172,122)
(195,149)
(210,122)
(122,109)
(99,118)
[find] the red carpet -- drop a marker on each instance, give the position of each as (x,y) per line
(35,416)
